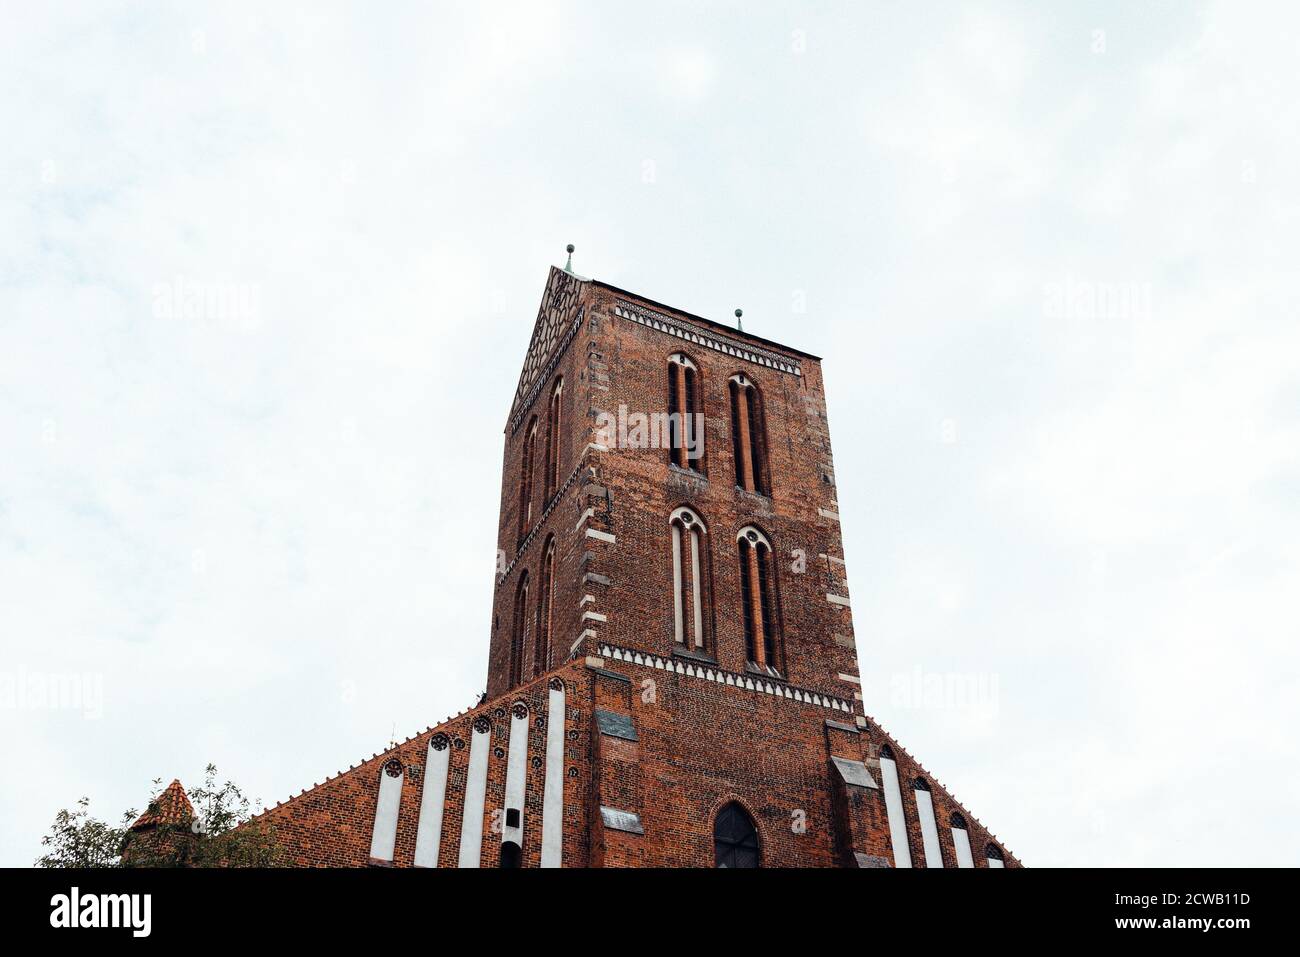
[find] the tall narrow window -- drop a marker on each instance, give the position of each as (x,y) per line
(961,840)
(526,479)
(690,581)
(735,838)
(545,588)
(551,480)
(748,435)
(519,633)
(759,603)
(929,828)
(685,414)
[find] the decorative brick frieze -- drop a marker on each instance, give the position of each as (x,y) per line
(698,335)
(741,681)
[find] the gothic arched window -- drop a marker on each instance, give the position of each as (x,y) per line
(551,481)
(685,414)
(759,601)
(526,479)
(735,838)
(691,613)
(545,589)
(748,435)
(519,633)
(960,840)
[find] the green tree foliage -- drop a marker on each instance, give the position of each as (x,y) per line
(222,833)
(78,840)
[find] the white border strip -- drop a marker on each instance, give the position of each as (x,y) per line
(929,830)
(516,778)
(428,833)
(553,792)
(894,811)
(961,841)
(471,827)
(383,837)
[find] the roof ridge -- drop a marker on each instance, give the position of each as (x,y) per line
(471,713)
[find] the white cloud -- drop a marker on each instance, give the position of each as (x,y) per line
(688,73)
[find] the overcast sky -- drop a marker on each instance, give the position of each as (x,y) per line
(1049,256)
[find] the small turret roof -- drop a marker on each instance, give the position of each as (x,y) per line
(172,806)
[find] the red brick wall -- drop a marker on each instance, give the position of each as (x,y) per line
(699,745)
(615,362)
(944,805)
(556,517)
(643,490)
(330,825)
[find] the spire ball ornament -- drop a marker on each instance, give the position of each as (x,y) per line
(739,324)
(568,266)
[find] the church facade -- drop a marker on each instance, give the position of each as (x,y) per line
(673,676)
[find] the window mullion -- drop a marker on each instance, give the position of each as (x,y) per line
(678,628)
(698,604)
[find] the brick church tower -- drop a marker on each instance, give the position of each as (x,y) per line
(673,679)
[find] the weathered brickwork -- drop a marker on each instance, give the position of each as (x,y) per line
(658,736)
(330,825)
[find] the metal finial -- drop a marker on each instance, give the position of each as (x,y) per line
(739,325)
(568,266)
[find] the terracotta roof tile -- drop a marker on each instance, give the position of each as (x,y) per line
(172,806)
